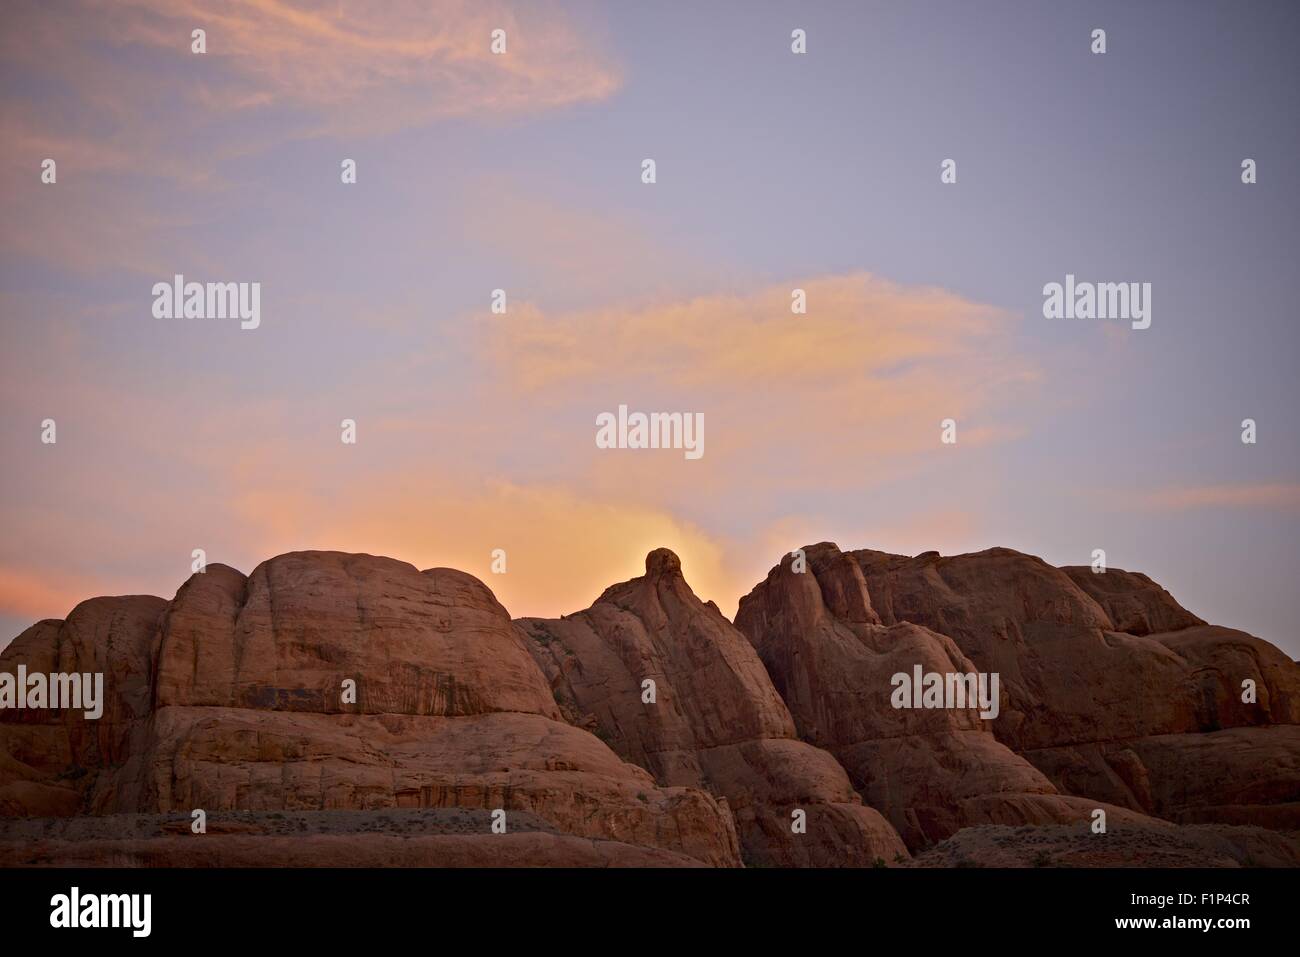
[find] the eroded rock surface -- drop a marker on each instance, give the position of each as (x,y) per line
(347,709)
(716,723)
(232,698)
(1150,720)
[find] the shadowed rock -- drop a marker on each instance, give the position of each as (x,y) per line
(716,721)
(230,698)
(1087,711)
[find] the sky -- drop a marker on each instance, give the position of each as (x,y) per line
(774,171)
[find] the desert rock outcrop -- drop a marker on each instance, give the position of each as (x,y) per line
(716,721)
(231,698)
(1148,720)
(335,709)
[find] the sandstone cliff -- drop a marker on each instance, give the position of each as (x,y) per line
(230,698)
(333,709)
(1149,720)
(716,721)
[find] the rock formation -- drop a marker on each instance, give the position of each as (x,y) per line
(333,709)
(230,698)
(1149,721)
(716,721)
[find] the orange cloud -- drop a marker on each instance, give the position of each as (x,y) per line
(854,324)
(376,65)
(854,391)
(1281,496)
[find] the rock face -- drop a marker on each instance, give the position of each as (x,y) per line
(1149,720)
(931,771)
(48,758)
(433,643)
(231,698)
(333,709)
(716,721)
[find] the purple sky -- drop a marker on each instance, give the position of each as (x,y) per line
(775,171)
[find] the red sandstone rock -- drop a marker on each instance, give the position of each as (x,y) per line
(717,722)
(48,758)
(1133,602)
(931,771)
(1109,716)
(284,639)
(230,698)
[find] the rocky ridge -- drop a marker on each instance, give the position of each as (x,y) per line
(649,730)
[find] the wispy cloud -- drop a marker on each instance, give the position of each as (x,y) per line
(1280,496)
(854,324)
(377,65)
(143,130)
